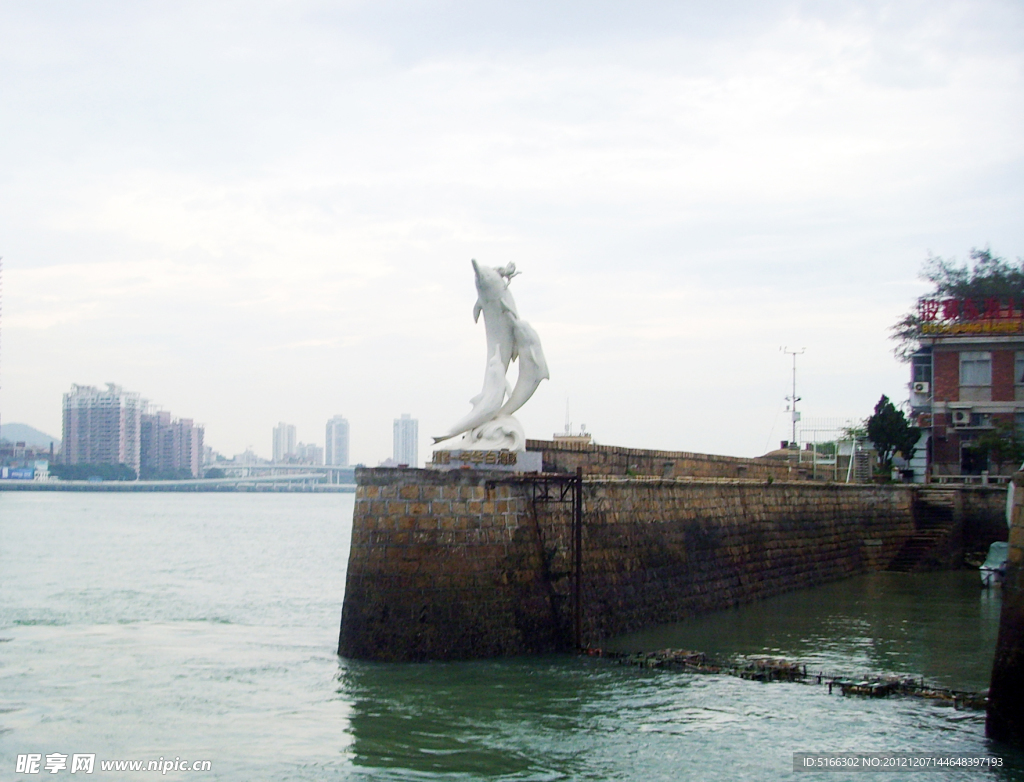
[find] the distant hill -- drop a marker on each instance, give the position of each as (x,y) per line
(17,433)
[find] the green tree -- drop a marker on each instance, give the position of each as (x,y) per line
(83,472)
(891,433)
(858,431)
(986,277)
(1002,444)
(172,474)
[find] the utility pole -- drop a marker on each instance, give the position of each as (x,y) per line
(794,398)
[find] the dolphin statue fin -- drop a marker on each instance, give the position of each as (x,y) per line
(537,356)
(477,309)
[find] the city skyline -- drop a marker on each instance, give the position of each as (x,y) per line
(284,435)
(271,213)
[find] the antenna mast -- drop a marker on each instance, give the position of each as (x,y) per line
(794,398)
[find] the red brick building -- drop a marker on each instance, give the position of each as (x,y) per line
(967,375)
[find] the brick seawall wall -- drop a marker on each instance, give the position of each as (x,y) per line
(1005,718)
(615,460)
(467,564)
(698,547)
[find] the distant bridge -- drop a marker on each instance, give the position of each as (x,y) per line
(331,474)
(297,482)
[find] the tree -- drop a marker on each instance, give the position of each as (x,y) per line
(891,433)
(84,472)
(857,431)
(1001,444)
(988,277)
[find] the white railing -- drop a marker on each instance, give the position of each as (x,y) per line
(971,480)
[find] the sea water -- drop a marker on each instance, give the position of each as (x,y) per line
(203,627)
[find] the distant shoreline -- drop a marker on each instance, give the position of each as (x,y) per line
(205,485)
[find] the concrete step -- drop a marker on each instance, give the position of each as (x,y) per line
(918,546)
(944,498)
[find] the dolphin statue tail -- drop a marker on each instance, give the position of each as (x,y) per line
(485,404)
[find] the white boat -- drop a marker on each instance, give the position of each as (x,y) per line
(995,564)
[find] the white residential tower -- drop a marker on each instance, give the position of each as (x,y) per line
(407,441)
(336,444)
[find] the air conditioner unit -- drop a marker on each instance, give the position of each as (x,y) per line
(961,418)
(921,387)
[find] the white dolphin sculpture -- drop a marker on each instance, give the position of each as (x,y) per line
(490,424)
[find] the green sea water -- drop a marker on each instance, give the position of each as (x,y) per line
(204,627)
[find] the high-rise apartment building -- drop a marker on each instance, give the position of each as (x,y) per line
(284,442)
(170,448)
(407,441)
(336,444)
(102,427)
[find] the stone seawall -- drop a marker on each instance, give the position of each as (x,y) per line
(471,564)
(983,510)
(566,457)
(697,547)
(1005,718)
(444,565)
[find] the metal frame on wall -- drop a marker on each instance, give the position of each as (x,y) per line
(566,488)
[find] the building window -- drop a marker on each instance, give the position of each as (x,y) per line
(982,420)
(922,367)
(976,368)
(1018,367)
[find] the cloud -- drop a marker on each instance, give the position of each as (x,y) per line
(265,212)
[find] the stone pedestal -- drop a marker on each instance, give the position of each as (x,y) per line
(503,461)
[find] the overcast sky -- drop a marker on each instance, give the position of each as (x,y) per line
(252,212)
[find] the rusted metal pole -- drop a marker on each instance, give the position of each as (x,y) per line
(577,523)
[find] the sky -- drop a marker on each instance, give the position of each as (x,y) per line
(265,211)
